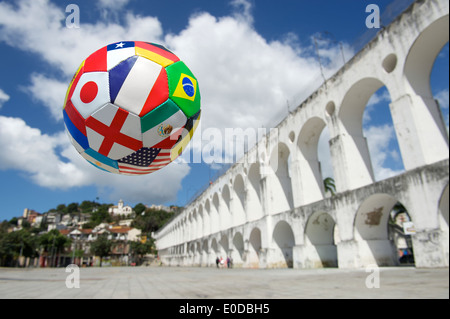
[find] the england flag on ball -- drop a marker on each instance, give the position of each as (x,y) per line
(112,132)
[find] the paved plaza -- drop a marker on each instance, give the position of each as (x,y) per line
(212,283)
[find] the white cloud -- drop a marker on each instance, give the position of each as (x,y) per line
(324,155)
(245,81)
(243,10)
(27,149)
(443,100)
(50,92)
(378,140)
(112,10)
(3,97)
(159,187)
(51,161)
(41,27)
(381,96)
(442,97)
(112,4)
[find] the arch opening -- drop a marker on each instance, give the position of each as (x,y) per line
(439,83)
(225,214)
(254,248)
(215,248)
(237,256)
(423,53)
(311,175)
(207,218)
(379,131)
(201,222)
(319,241)
(280,182)
(443,221)
(383,230)
(424,65)
(373,147)
(238,201)
(205,252)
(283,243)
(315,160)
(254,207)
(223,246)
(215,217)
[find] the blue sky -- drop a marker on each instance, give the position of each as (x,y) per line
(39,168)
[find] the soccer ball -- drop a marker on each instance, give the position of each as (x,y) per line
(132,107)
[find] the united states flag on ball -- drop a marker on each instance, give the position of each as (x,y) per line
(132,107)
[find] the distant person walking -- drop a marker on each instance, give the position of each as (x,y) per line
(217,262)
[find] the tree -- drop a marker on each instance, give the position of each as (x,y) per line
(16,244)
(329,186)
(101,247)
(151,220)
(61,208)
(139,208)
(87,206)
(101,215)
(13,221)
(140,249)
(53,243)
(72,208)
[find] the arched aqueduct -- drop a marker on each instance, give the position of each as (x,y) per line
(270,210)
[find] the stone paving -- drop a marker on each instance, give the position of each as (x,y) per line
(211,283)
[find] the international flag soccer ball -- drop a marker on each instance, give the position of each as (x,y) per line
(132,107)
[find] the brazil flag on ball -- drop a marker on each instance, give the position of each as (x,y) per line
(183,88)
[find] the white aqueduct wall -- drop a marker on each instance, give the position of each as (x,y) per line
(270,210)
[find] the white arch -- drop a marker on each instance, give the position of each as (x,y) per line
(215,247)
(444,208)
(423,53)
(310,175)
(254,248)
(351,160)
(418,118)
(321,248)
(205,253)
(225,214)
(207,218)
(283,241)
(279,181)
(444,221)
(238,201)
(200,222)
(254,207)
(371,231)
(215,218)
(238,249)
(195,224)
(224,246)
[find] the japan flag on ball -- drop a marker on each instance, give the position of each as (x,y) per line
(91,93)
